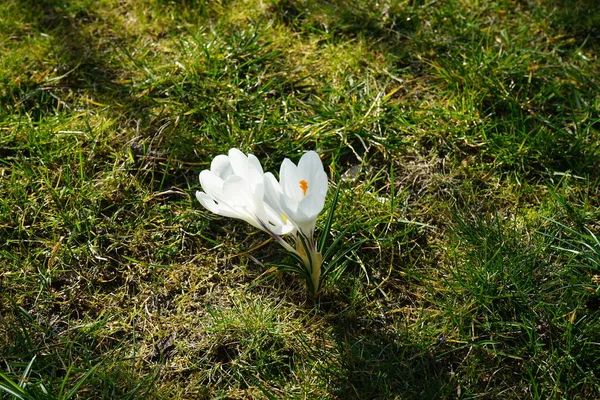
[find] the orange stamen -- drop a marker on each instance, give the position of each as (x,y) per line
(303,186)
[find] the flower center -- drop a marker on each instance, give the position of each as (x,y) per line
(303,186)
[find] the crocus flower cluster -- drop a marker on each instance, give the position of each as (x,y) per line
(237,187)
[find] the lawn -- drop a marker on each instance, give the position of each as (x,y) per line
(463,139)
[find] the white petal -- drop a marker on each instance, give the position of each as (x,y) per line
(221,166)
(310,165)
(239,198)
(311,205)
(236,192)
(211,205)
(254,163)
(320,183)
(211,183)
(272,191)
(273,209)
(311,168)
(276,222)
(303,222)
(248,167)
(308,228)
(290,180)
(239,161)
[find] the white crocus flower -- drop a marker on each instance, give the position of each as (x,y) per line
(300,196)
(300,193)
(234,187)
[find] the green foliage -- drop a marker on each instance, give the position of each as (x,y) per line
(463,138)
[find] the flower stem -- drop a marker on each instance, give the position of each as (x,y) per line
(315,273)
(312,260)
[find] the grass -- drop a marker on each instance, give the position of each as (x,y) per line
(463,138)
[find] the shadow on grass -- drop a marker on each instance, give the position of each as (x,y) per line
(376,363)
(85,61)
(80,60)
(388,27)
(383,24)
(49,361)
(577,18)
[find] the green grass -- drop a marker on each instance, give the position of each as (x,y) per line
(464,138)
